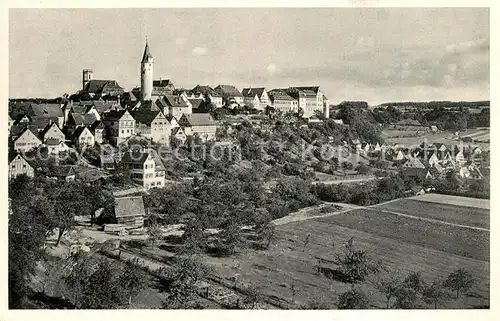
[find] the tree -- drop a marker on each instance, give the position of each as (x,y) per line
(414,281)
(407,295)
(230,239)
(434,293)
(102,290)
(182,280)
(194,240)
(389,287)
(406,298)
(352,299)
(266,233)
(459,281)
(154,233)
(315,304)
(306,241)
(133,279)
(97,198)
(362,169)
(355,264)
(252,296)
(67,201)
(27,232)
(94,283)
(293,291)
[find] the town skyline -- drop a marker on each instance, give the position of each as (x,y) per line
(374,62)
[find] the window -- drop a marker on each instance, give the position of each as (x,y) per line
(123,131)
(24,166)
(13,166)
(127,131)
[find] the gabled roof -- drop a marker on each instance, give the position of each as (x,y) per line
(63,171)
(169,118)
(280,95)
(102,106)
(97,125)
(88,174)
(147,53)
(201,119)
(163,83)
(48,127)
(178,130)
(203,89)
(13,156)
(79,109)
(307,93)
(41,123)
(27,130)
(129,206)
(175,101)
(144,116)
(158,162)
(82,119)
(135,157)
(46,110)
(414,163)
(98,86)
(160,102)
(23,117)
(79,131)
(196,102)
(251,92)
(113,115)
(228,90)
(313,89)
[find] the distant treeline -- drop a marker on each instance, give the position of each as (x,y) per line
(431,104)
(57,100)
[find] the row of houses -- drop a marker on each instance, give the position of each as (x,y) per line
(58,126)
(309,99)
(164,93)
(432,160)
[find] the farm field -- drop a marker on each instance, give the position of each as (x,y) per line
(454,240)
(473,132)
(442,137)
(453,200)
(285,263)
(404,244)
(468,216)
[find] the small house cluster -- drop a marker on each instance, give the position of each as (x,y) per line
(432,160)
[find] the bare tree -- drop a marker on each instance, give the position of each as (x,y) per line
(389,287)
(293,290)
(459,281)
(306,241)
(434,293)
(253,295)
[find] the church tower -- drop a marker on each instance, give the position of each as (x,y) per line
(146,73)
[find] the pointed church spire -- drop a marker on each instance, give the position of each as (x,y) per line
(147,54)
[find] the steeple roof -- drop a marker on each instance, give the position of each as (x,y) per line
(147,54)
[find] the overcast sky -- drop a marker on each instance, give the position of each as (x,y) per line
(353,54)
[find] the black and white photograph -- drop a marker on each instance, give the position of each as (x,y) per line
(256,158)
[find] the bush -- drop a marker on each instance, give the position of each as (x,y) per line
(355,265)
(459,281)
(353,299)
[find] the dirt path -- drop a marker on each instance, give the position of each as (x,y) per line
(428,219)
(301,215)
(345,181)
